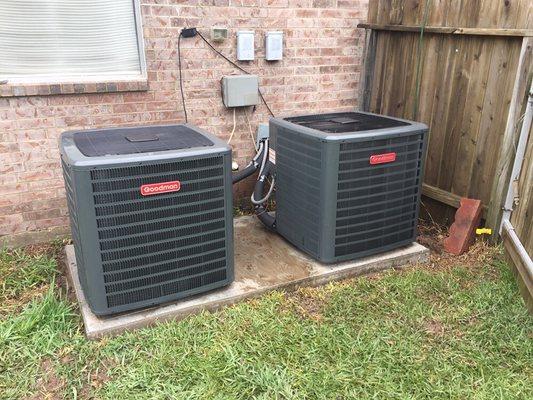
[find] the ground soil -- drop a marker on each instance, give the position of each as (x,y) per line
(259,247)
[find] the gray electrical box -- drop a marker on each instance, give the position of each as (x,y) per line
(240,90)
(262,133)
(219,34)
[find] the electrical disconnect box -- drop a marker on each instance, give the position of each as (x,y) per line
(240,90)
(245,45)
(274,46)
(262,133)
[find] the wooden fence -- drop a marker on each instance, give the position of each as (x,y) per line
(463,67)
(466,77)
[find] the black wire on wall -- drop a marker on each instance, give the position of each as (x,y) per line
(225,58)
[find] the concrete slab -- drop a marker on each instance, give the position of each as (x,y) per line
(263,262)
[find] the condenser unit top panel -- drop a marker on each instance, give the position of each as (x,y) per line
(348,122)
(135,140)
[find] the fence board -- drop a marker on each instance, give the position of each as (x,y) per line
(464,13)
(498,94)
(470,121)
(502,172)
(522,217)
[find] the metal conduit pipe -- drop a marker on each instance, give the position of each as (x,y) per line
(506,225)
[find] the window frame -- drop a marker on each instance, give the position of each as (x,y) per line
(103,78)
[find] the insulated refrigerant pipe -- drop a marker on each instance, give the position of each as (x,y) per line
(267,168)
(252,166)
(260,209)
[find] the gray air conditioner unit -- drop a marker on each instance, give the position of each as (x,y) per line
(151,213)
(347,184)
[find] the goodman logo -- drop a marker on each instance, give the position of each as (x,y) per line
(159,188)
(382,158)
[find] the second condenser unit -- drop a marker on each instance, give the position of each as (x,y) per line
(347,184)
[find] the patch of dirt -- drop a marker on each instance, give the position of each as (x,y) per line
(51,387)
(51,249)
(62,281)
(14,304)
(97,379)
(264,257)
(434,328)
(48,385)
(307,302)
(480,255)
(431,235)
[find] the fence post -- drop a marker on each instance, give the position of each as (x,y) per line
(512,129)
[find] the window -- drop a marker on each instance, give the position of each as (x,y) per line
(70,41)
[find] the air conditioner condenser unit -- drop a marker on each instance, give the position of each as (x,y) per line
(151,213)
(348,185)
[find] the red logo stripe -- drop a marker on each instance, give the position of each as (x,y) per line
(159,188)
(382,158)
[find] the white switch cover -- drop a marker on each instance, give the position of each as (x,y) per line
(245,45)
(274,46)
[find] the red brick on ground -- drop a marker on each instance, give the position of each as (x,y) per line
(462,231)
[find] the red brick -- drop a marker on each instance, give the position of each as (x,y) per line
(462,231)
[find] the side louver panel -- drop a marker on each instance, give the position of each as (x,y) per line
(298,174)
(347,184)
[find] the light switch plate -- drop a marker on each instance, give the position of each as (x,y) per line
(245,45)
(274,46)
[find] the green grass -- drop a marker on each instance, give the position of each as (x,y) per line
(20,272)
(455,333)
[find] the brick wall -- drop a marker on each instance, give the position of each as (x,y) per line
(320,72)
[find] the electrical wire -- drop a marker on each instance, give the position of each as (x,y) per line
(236,66)
(222,55)
(266,104)
(234,126)
(265,157)
(250,129)
(267,196)
(181,79)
